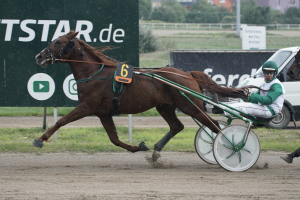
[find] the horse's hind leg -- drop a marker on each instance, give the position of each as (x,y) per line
(168,113)
(111,131)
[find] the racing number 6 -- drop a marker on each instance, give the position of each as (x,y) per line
(124,73)
(124,70)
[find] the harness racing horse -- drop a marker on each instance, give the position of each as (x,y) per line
(294,70)
(96,95)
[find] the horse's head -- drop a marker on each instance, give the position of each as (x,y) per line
(58,49)
(294,70)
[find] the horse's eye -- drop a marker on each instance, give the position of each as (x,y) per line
(57,42)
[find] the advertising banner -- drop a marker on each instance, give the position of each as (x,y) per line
(227,67)
(26,28)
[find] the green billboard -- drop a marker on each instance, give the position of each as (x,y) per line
(26,28)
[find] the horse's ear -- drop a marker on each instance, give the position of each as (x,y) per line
(75,34)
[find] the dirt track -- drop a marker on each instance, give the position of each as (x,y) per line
(130,176)
(127,176)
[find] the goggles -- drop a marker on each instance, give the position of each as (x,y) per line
(269,72)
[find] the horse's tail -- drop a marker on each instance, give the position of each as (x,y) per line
(205,82)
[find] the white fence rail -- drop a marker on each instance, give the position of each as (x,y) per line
(215,26)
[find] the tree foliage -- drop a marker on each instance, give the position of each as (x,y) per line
(145,9)
(255,14)
(147,41)
(204,12)
(201,6)
(292,16)
(170,11)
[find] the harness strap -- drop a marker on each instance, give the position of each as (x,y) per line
(92,77)
(117,88)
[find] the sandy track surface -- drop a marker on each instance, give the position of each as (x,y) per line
(130,176)
(127,176)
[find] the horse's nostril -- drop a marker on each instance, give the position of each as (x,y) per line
(39,56)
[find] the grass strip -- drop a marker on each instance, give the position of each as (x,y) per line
(96,140)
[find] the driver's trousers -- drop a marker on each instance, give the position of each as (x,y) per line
(247,107)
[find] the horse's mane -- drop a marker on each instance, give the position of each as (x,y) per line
(97,53)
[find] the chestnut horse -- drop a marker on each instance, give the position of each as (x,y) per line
(143,93)
(294,70)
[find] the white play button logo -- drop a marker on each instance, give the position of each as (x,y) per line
(41,86)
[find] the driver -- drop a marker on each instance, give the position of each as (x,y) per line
(261,103)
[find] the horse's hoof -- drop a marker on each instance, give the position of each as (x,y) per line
(143,147)
(157,148)
(37,143)
(155,155)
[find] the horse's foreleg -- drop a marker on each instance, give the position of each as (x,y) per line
(79,112)
(111,131)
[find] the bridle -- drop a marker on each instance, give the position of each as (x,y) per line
(54,57)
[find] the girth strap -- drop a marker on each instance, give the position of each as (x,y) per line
(117,88)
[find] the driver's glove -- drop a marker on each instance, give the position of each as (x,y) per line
(247,92)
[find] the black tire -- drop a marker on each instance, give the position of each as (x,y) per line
(282,120)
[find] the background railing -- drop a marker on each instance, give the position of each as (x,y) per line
(215,26)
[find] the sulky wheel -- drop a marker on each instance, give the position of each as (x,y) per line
(236,160)
(203,143)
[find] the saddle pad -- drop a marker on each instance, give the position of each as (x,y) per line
(124,73)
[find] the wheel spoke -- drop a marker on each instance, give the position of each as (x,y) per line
(240,157)
(244,149)
(228,147)
(233,142)
(232,153)
(208,142)
(208,152)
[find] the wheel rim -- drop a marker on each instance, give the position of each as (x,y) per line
(279,119)
(204,143)
(231,160)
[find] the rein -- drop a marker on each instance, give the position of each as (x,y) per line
(52,56)
(92,77)
(139,69)
(79,61)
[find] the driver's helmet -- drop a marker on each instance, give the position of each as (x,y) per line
(270,66)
